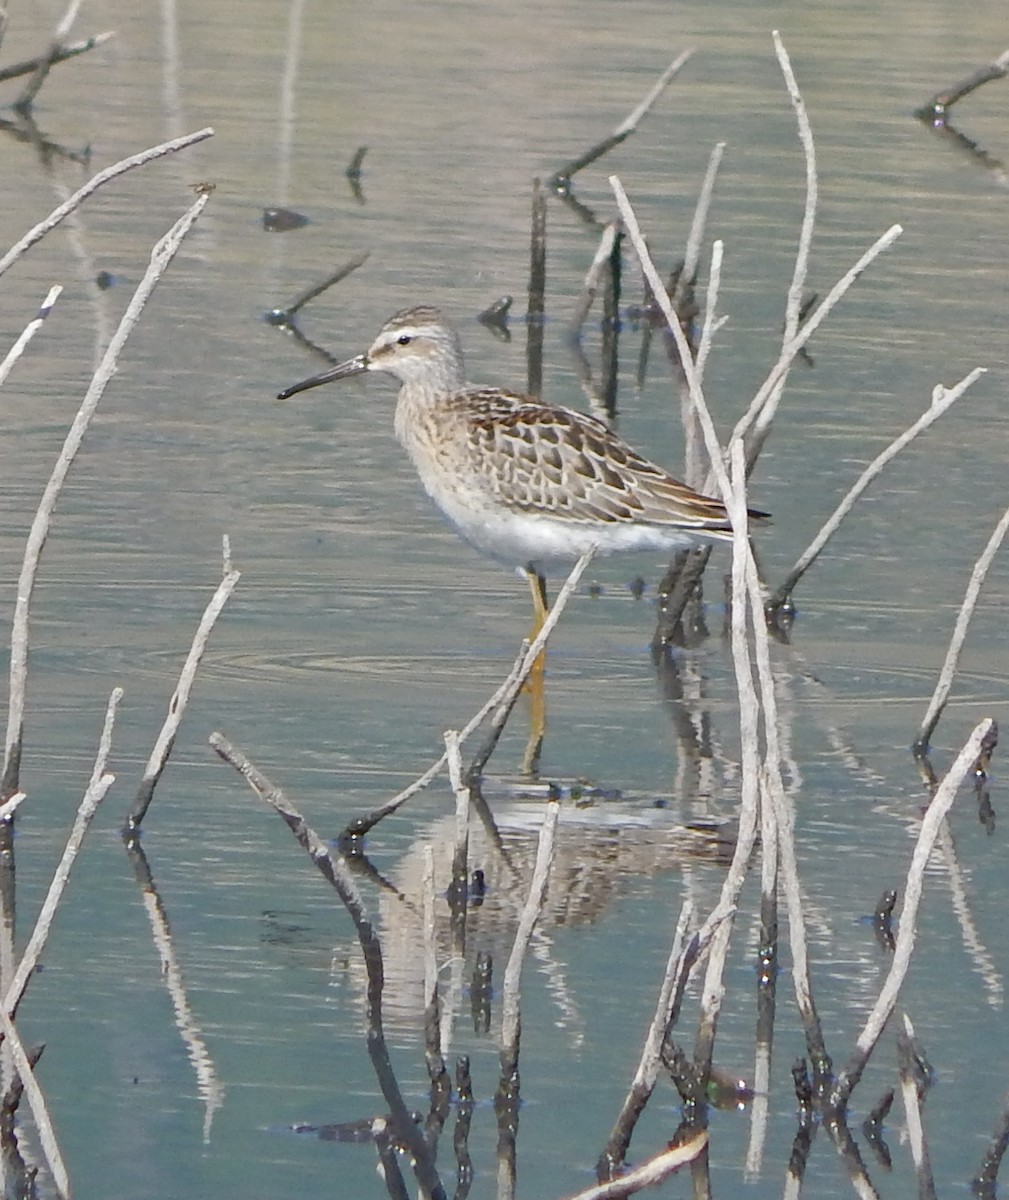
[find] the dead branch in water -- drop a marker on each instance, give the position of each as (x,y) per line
(560,181)
(96,181)
(936,111)
(942,399)
(334,870)
(981,741)
(945,681)
(67,50)
(162,254)
(180,697)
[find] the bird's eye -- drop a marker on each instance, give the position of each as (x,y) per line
(404,339)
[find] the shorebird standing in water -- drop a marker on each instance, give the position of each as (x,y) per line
(532,484)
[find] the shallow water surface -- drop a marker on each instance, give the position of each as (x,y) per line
(362,628)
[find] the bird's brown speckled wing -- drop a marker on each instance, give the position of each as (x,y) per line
(538,458)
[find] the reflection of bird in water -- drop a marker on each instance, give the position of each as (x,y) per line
(532,484)
(604,851)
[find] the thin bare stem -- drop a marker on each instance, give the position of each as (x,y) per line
(749,733)
(942,399)
(648,1173)
(180,698)
(37,1104)
(162,254)
(98,785)
(772,789)
(812,323)
(945,682)
(651,1054)
(29,331)
(981,740)
(95,182)
(911,1095)
(430,943)
(460,844)
(511,985)
(499,704)
(591,285)
(793,303)
(937,109)
(686,358)
(695,239)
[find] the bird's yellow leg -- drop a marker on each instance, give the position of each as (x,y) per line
(534,685)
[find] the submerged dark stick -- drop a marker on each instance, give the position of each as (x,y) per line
(561,179)
(34,85)
(317,289)
(936,110)
(609,355)
(463,1121)
(537,291)
(984,1182)
(335,870)
(680,583)
(69,50)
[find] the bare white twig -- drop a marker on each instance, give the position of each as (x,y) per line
(686,358)
(793,303)
(10,807)
(632,120)
(772,789)
(98,785)
(430,942)
(811,324)
(510,987)
(67,50)
(695,238)
(180,698)
(942,801)
(591,285)
(942,399)
(911,1098)
(945,682)
(162,254)
(562,177)
(647,1071)
(460,841)
(499,703)
(95,182)
(37,1104)
(29,331)
(648,1173)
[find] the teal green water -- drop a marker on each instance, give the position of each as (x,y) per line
(362,628)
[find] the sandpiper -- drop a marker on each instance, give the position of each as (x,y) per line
(532,484)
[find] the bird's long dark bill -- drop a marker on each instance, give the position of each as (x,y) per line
(353,366)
